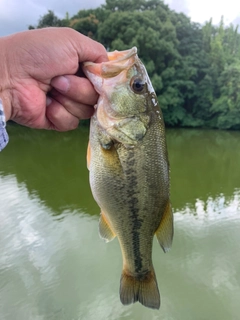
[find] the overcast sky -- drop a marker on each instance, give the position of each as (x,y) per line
(17,15)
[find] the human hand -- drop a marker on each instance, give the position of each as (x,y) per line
(38,85)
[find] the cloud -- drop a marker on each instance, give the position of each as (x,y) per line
(204,10)
(236,22)
(179,6)
(17,15)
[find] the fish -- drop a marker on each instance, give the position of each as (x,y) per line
(128,167)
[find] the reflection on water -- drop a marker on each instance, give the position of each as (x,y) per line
(214,209)
(203,164)
(52,165)
(53,264)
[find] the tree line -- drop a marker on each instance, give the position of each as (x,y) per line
(195,69)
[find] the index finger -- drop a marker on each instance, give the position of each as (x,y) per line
(88,49)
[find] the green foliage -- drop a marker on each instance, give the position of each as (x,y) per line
(86,25)
(48,20)
(194,69)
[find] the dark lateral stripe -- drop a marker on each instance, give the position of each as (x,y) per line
(133,204)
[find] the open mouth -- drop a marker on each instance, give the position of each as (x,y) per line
(118,61)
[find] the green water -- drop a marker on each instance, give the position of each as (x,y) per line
(53,264)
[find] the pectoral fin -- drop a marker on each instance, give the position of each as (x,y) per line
(88,155)
(105,230)
(164,232)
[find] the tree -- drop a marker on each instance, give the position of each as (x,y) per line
(87,25)
(48,20)
(227,106)
(194,69)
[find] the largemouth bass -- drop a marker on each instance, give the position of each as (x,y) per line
(129,170)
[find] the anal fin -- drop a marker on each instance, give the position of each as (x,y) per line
(105,230)
(164,232)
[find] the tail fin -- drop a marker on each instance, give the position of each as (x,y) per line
(142,288)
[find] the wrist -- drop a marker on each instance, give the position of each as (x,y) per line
(5,84)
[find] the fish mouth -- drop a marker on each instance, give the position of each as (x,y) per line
(118,61)
(121,55)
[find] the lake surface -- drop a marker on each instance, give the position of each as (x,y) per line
(53,265)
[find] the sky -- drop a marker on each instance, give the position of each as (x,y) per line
(17,15)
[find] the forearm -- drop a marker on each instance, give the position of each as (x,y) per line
(5,83)
(3,132)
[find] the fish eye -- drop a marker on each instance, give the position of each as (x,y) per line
(137,85)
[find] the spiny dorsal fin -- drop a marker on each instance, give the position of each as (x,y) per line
(105,231)
(164,232)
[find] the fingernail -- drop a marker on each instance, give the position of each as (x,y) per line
(48,101)
(61,83)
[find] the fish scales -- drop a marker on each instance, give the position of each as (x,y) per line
(129,173)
